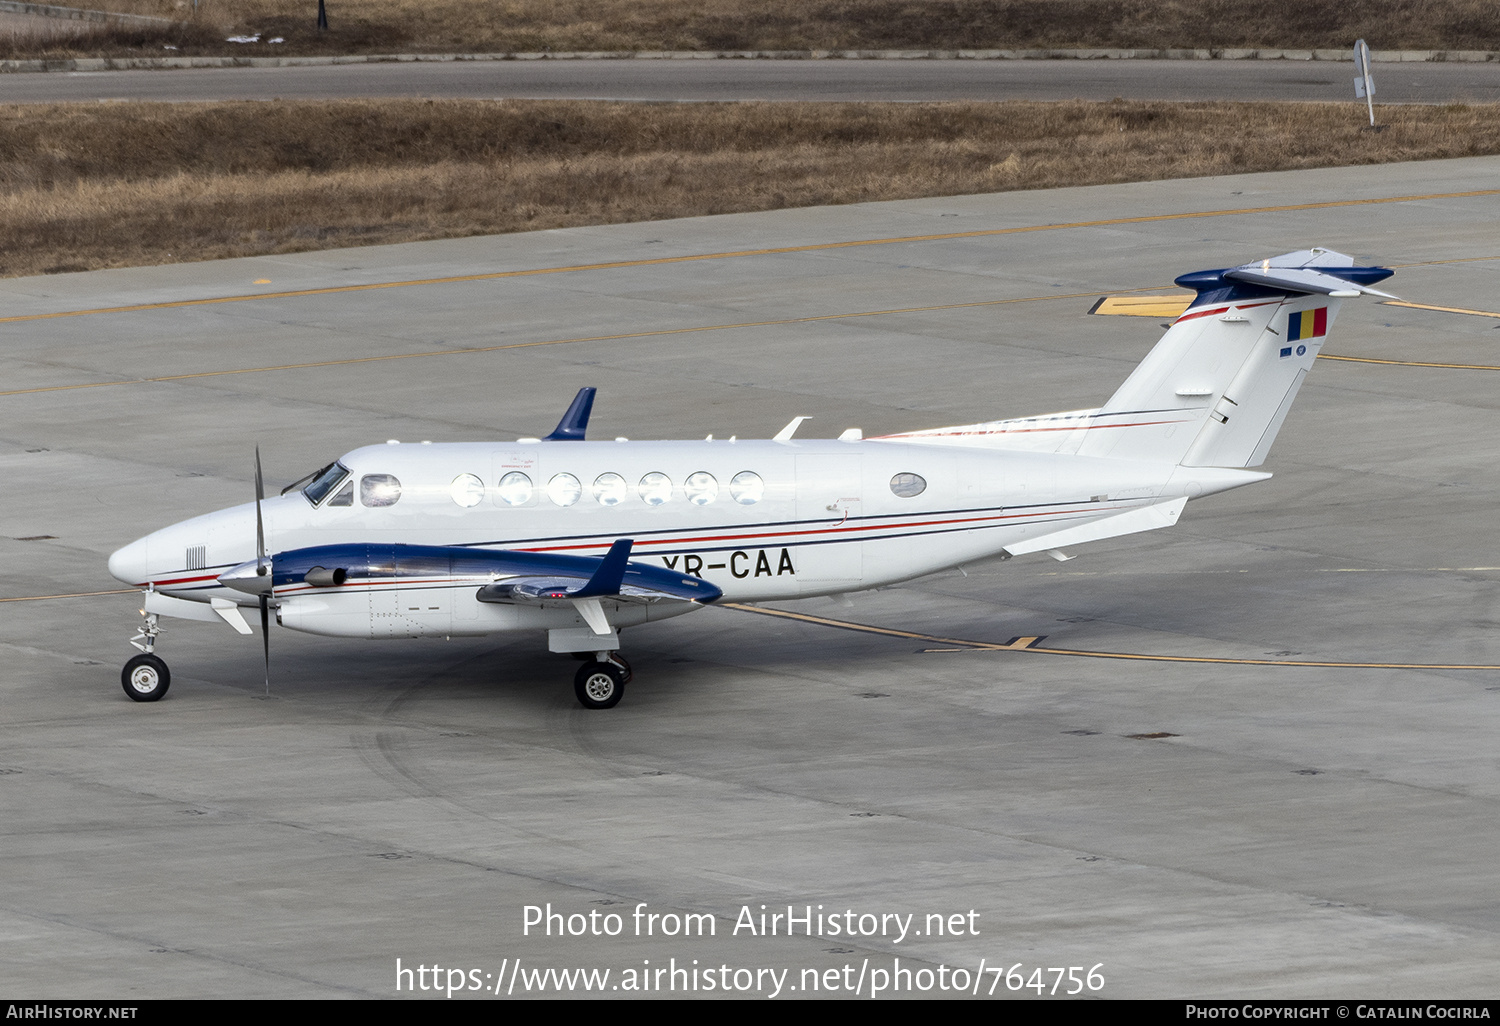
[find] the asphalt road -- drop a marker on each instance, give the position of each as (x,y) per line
(842,80)
(1218,828)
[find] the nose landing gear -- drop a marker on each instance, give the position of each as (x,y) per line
(145,677)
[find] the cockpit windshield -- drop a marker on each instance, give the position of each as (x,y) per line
(324,481)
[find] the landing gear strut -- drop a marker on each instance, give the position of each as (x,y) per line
(145,677)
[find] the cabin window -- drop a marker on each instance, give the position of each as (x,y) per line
(379,490)
(467,490)
(701,488)
(610,489)
(908,486)
(515,489)
(655,488)
(564,490)
(747,488)
(323,482)
(345,496)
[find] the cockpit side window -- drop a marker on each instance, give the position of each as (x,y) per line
(345,496)
(324,482)
(379,490)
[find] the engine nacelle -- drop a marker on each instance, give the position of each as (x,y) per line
(442,612)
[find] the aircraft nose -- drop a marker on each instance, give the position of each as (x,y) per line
(129,564)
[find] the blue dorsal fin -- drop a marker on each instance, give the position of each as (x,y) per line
(576,421)
(611,573)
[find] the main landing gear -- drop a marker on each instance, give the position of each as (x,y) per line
(145,677)
(600,682)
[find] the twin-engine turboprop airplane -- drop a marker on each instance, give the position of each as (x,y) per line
(581,539)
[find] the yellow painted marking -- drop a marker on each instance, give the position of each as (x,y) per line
(823,621)
(1031,644)
(79,594)
(1397,363)
(546,342)
(261,281)
(1440,309)
(1454,260)
(1142,306)
(772,251)
(1314,570)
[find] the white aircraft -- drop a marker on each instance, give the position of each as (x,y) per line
(581,539)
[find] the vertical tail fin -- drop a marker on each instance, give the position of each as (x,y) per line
(1216,388)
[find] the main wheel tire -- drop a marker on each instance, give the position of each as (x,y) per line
(599,685)
(145,678)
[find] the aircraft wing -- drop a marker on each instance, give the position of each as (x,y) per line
(538,589)
(612,576)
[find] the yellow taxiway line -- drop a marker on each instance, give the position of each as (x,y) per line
(1441,309)
(76,594)
(1033,645)
(731,254)
(1409,363)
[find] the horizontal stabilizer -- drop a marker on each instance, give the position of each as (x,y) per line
(1145,518)
(1302,279)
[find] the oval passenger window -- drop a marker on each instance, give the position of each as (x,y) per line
(610,489)
(379,490)
(564,490)
(515,489)
(747,488)
(656,488)
(467,490)
(908,486)
(701,488)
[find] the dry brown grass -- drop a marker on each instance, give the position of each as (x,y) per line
(486,26)
(129,184)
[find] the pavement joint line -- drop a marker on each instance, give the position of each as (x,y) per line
(1032,644)
(968,645)
(663,332)
(731,254)
(1095,54)
(555,342)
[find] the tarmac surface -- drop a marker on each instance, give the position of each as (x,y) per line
(1227,827)
(837,80)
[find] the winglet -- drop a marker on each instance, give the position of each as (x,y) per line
(611,573)
(576,420)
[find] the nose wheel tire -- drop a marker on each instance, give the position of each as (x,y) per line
(145,678)
(599,685)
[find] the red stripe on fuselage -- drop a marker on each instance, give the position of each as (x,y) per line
(1194,314)
(1028,431)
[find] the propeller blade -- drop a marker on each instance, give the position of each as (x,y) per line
(260,527)
(262,568)
(265,637)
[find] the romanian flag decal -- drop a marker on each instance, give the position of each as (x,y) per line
(1307,324)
